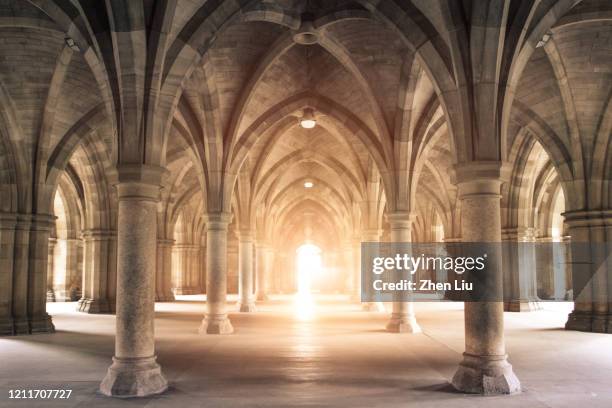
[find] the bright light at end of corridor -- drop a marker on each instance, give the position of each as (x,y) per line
(308,266)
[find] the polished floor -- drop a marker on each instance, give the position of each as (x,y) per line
(318,352)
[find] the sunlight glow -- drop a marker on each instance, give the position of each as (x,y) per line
(308,266)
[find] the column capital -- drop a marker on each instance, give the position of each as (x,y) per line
(588,218)
(479,178)
(217,220)
(36,222)
(519,234)
(371,235)
(401,219)
(246,235)
(139,182)
(165,242)
(98,234)
(8,220)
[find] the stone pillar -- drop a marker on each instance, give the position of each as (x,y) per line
(51,269)
(135,372)
(245,272)
(403,319)
(215,320)
(519,270)
(263,272)
(96,276)
(484,368)
(40,231)
(591,236)
(186,269)
(20,275)
(370,235)
(7,237)
(163,276)
(349,264)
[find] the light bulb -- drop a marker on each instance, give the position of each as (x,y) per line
(308,184)
(308,120)
(308,123)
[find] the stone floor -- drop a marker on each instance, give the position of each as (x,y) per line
(322,352)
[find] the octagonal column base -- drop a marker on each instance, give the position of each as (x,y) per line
(216,325)
(133,377)
(487,375)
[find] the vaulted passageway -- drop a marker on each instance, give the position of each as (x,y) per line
(154,150)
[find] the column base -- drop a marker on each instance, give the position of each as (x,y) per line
(216,325)
(93,306)
(580,321)
(488,375)
(42,324)
(165,297)
(522,306)
(133,377)
(187,291)
(403,324)
(21,326)
(262,297)
(373,307)
(247,307)
(6,327)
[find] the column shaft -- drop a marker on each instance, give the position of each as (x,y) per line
(403,319)
(216,321)
(262,272)
(134,371)
(245,278)
(163,276)
(484,368)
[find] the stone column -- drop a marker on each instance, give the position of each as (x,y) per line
(40,231)
(591,236)
(163,276)
(263,274)
(135,372)
(349,263)
(519,270)
(245,278)
(370,235)
(96,276)
(403,319)
(7,237)
(484,368)
(215,320)
(51,269)
(545,259)
(187,282)
(20,275)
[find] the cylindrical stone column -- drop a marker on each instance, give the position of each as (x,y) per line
(484,368)
(163,276)
(262,272)
(348,262)
(50,270)
(245,272)
(369,235)
(135,372)
(403,319)
(519,270)
(215,320)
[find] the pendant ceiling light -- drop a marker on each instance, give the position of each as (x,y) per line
(308,120)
